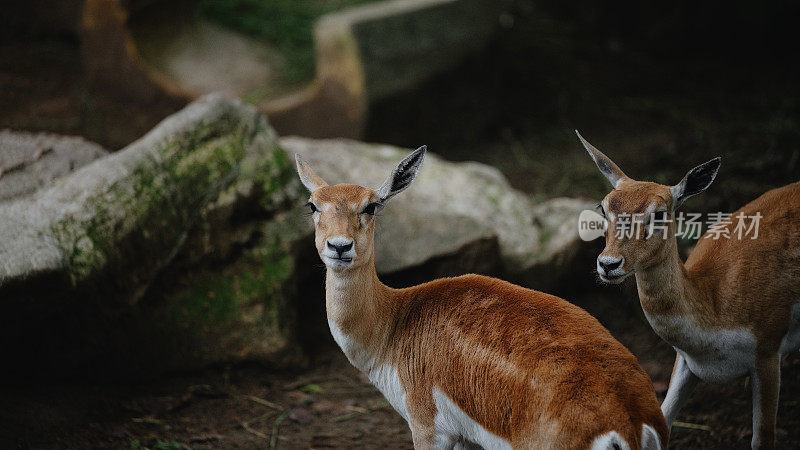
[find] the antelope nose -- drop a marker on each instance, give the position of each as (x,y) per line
(339,246)
(608,264)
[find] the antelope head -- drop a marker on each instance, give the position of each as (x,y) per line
(344,214)
(641,215)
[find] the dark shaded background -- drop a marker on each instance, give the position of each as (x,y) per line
(659,88)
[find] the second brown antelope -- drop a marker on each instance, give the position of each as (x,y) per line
(733,309)
(474,360)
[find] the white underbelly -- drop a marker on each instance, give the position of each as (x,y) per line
(715,369)
(714,355)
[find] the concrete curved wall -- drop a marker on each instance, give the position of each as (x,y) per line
(363,54)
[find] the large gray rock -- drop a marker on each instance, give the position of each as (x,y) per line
(146,197)
(453,208)
(78,258)
(29,161)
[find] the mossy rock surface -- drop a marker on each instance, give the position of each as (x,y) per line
(153,258)
(149,196)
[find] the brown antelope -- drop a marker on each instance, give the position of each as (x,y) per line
(474,360)
(733,309)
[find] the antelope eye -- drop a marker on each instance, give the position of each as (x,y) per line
(312,206)
(372,208)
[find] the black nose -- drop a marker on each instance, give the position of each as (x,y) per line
(340,248)
(609,266)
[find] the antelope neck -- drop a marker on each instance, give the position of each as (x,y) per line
(360,305)
(665,288)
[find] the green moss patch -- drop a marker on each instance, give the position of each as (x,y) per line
(138,222)
(248,292)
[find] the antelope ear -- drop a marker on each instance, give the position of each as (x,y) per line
(604,163)
(695,182)
(402,175)
(310,180)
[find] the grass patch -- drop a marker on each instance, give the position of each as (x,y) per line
(285,24)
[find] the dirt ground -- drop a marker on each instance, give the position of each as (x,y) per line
(333,406)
